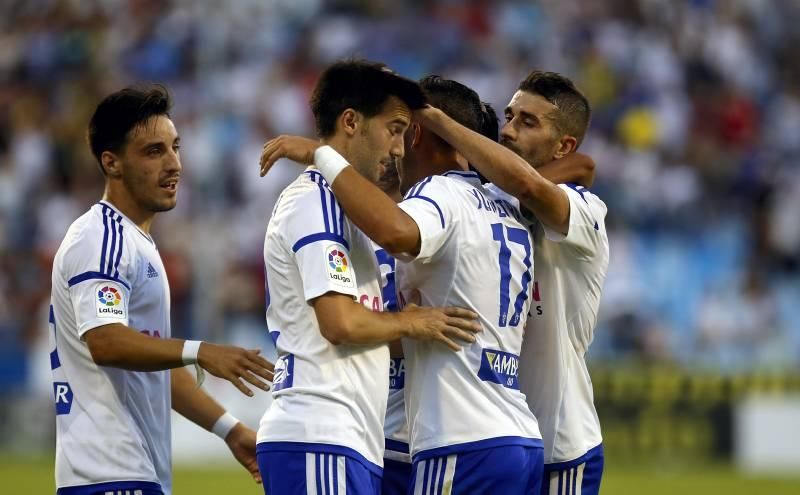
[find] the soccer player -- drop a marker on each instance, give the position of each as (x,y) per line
(546,120)
(471,430)
(116,370)
(323,433)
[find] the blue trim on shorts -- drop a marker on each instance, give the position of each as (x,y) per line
(489,443)
(265,447)
(397,446)
(112,486)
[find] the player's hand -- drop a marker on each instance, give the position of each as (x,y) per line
(236,364)
(446,325)
(426,115)
(295,148)
(242,442)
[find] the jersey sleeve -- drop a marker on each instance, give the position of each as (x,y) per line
(428,203)
(317,233)
(586,229)
(96,269)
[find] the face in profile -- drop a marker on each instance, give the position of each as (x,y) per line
(379,139)
(529,130)
(151,164)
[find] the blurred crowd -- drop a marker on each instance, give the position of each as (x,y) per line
(696,133)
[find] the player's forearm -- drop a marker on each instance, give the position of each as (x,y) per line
(192,402)
(344,321)
(506,170)
(574,167)
(375,213)
(119,346)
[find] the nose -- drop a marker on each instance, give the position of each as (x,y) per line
(173,161)
(398,149)
(508,133)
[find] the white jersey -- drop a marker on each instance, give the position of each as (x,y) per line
(327,398)
(112,425)
(474,253)
(570,271)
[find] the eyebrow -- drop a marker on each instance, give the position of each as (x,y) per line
(159,143)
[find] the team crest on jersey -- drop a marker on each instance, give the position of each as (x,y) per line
(339,270)
(284,372)
(109,301)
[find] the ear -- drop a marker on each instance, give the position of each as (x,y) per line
(414,135)
(565,146)
(349,121)
(112,165)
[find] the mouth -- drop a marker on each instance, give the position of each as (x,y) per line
(170,185)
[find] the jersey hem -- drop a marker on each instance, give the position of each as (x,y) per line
(268,446)
(108,486)
(489,443)
(596,451)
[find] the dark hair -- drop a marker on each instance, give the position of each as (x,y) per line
(458,101)
(490,124)
(573,111)
(121,112)
(361,85)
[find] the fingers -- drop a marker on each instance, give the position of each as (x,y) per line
(460,313)
(272,152)
(449,343)
(241,386)
(468,325)
(461,335)
(253,380)
(260,361)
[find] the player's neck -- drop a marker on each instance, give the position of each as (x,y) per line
(439,162)
(128,207)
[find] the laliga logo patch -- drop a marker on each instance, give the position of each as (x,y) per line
(338,267)
(109,302)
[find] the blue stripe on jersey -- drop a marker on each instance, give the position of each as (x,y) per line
(578,189)
(478,445)
(396,446)
(105,240)
(429,200)
(417,188)
(108,269)
(321,236)
(324,201)
(462,173)
(95,276)
(119,250)
(147,487)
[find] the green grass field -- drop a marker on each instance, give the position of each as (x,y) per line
(34,478)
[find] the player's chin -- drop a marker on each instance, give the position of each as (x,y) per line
(164,204)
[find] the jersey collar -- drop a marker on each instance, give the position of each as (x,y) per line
(466,176)
(116,210)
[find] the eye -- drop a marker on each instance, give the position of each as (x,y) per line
(176,147)
(154,151)
(509,117)
(529,123)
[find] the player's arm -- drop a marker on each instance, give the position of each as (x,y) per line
(344,321)
(369,208)
(504,168)
(194,404)
(117,345)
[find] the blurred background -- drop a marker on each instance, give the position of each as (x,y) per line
(696,135)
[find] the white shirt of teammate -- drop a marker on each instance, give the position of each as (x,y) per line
(475,253)
(311,249)
(570,271)
(111,424)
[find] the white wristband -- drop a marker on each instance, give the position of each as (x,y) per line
(224,425)
(190,350)
(329,162)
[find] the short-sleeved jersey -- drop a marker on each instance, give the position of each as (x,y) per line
(570,271)
(112,425)
(475,253)
(331,396)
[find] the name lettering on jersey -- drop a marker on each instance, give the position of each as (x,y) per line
(110,303)
(284,372)
(500,207)
(123,492)
(537,297)
(397,373)
(374,302)
(499,367)
(62,393)
(339,266)
(151,333)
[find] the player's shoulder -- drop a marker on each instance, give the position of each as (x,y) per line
(586,195)
(308,190)
(96,238)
